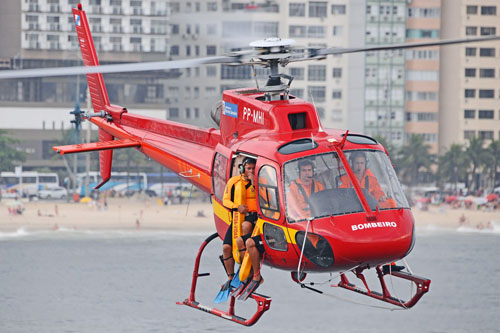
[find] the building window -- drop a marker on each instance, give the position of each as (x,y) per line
(173,112)
(174,50)
(317,93)
(470,51)
(337,72)
(421,96)
(174,29)
(236,72)
(470,93)
(211,6)
(188,50)
(188,113)
(336,94)
(316,31)
(487,72)
(338,9)
(487,31)
(297,73)
(469,114)
(470,72)
(488,10)
(297,31)
(317,8)
(485,114)
(297,9)
(486,135)
(471,10)
(486,93)
(316,73)
(486,52)
(471,31)
(338,30)
(469,135)
(211,50)
(211,71)
(297,92)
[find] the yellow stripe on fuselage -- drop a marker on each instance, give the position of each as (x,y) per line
(225,215)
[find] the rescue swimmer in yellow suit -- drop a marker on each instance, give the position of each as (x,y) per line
(366,179)
(249,209)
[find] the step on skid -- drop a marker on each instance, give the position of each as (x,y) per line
(263,302)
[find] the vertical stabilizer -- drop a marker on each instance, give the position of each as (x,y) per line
(97,89)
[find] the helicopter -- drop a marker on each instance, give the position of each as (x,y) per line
(349,228)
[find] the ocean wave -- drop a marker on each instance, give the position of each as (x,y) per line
(101,233)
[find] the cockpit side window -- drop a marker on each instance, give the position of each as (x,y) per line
(268,192)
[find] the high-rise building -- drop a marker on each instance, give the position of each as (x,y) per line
(469,82)
(385,70)
(41,33)
(207,28)
(422,72)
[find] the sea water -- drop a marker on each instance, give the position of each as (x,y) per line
(129,281)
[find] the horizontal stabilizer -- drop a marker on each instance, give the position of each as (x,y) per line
(102,145)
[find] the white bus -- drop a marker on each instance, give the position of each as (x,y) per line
(26,184)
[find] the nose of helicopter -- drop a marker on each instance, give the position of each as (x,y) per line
(343,242)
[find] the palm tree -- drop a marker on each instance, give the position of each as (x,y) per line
(493,161)
(414,156)
(453,165)
(9,156)
(477,156)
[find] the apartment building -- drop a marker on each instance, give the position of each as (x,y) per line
(207,28)
(385,70)
(41,33)
(469,81)
(422,72)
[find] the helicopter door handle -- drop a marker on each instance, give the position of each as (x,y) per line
(189,174)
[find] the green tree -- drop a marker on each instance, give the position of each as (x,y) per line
(9,156)
(492,161)
(414,158)
(453,165)
(478,157)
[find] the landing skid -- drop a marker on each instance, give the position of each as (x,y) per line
(421,283)
(263,302)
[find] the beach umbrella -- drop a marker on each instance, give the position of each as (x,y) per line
(85,200)
(424,200)
(492,197)
(451,198)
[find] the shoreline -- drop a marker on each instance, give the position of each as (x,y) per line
(151,214)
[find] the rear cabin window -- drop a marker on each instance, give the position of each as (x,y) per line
(219,175)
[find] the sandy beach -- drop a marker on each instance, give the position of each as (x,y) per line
(149,213)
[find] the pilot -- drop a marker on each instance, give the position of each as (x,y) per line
(366,178)
(247,176)
(301,189)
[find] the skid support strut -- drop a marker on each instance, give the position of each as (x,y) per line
(422,286)
(263,302)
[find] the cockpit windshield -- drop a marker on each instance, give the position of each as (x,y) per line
(318,185)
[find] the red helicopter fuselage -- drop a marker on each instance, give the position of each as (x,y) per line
(275,132)
(355,216)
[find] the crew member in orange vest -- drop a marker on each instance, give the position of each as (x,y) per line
(366,178)
(301,189)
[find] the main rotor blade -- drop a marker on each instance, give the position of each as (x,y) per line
(323,52)
(116,68)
